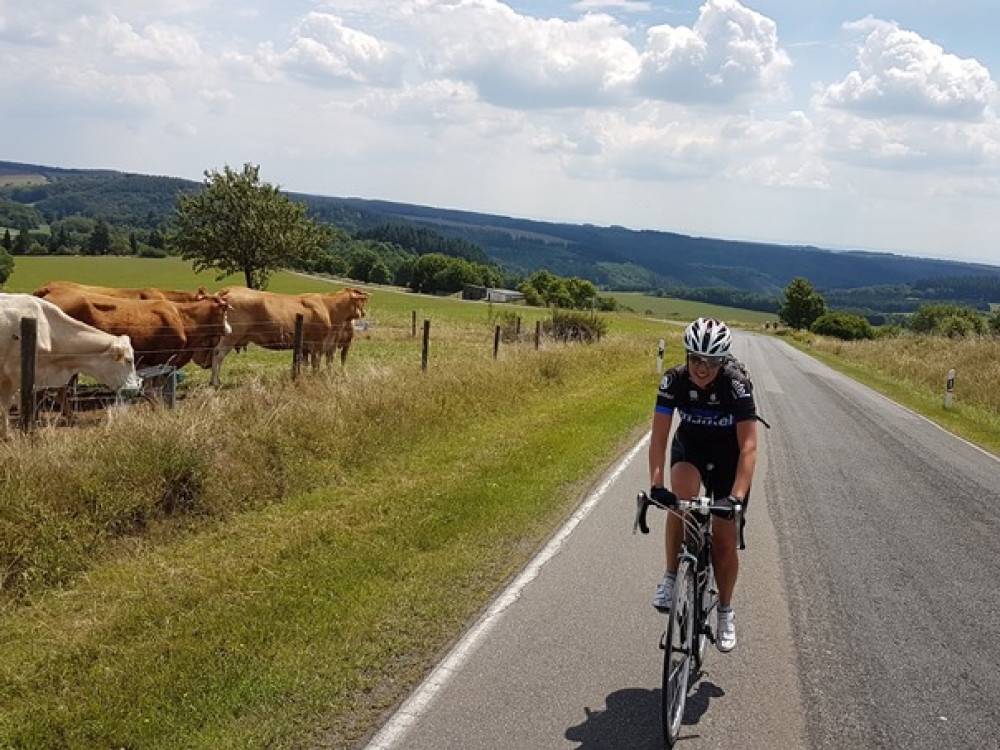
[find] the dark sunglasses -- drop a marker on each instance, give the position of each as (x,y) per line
(697,359)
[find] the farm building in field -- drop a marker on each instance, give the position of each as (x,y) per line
(504,295)
(473,292)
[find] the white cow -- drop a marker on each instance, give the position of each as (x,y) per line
(64,347)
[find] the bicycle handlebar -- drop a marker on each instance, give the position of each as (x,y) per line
(701,505)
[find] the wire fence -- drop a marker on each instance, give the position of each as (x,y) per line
(305,343)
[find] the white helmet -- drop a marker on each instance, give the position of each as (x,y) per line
(708,337)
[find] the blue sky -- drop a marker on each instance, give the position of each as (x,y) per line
(834,123)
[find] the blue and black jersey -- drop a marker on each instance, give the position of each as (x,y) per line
(707,416)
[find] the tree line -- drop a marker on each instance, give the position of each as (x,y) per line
(805,308)
(723,296)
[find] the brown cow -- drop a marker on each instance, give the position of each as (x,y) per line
(343,307)
(162,332)
(267,319)
(127,293)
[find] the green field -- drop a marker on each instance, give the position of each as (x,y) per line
(686,310)
(390,312)
(390,305)
(31,272)
(21,180)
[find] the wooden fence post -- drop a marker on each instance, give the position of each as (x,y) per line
(427,339)
(496,342)
(29,340)
(538,333)
(413,324)
(297,346)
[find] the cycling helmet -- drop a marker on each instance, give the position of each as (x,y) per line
(707,337)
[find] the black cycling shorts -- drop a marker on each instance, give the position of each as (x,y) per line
(718,479)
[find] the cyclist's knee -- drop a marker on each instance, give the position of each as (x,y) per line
(685,481)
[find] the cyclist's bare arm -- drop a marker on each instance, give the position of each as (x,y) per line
(658,448)
(746,437)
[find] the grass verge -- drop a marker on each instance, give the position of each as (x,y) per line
(410,498)
(912,371)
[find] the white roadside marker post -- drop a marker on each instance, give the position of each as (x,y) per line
(949,391)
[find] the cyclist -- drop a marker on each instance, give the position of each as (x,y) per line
(718,425)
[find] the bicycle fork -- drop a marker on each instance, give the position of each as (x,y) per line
(706,590)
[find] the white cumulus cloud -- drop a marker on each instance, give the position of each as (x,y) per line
(329,52)
(730,53)
(901,74)
(519,61)
(155,45)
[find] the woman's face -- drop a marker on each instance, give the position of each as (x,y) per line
(703,370)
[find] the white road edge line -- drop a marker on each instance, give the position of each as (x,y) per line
(409,713)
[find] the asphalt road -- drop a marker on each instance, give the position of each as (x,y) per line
(867,603)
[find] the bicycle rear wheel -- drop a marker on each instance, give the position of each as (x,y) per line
(678,645)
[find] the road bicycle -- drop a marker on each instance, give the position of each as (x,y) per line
(689,624)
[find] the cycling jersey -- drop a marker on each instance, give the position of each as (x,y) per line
(706,431)
(708,416)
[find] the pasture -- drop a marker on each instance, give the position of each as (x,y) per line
(31,272)
(21,180)
(667,308)
(456,325)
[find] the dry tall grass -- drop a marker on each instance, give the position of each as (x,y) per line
(282,560)
(926,360)
(69,497)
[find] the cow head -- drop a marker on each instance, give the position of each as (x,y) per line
(119,371)
(358,301)
(221,305)
(212,329)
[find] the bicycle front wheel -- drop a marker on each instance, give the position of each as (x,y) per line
(678,653)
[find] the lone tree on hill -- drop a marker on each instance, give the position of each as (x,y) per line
(802,306)
(239,225)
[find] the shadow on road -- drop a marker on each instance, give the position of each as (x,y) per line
(631,719)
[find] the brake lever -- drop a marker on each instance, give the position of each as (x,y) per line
(642,505)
